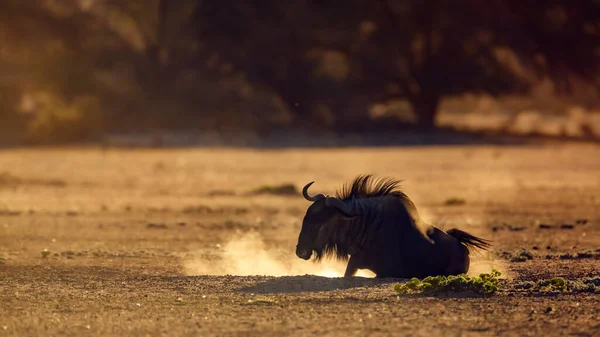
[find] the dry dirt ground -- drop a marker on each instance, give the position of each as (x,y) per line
(171,242)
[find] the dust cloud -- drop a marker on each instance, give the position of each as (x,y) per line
(484,262)
(247,254)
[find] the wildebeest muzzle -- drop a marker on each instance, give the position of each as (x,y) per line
(303,253)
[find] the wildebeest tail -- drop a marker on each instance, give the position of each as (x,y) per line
(469,240)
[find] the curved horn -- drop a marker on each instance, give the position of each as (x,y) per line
(308,197)
(339,204)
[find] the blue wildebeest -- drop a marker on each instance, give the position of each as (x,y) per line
(373,225)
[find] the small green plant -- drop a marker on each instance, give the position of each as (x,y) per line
(484,284)
(557,283)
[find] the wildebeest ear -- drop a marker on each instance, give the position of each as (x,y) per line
(341,206)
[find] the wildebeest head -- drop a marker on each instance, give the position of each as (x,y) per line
(321,217)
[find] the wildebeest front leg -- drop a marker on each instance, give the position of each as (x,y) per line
(352,266)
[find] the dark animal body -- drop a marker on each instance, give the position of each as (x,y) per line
(373,225)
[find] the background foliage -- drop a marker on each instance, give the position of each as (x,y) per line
(76,69)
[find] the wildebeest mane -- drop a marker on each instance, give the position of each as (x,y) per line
(364,186)
(377,223)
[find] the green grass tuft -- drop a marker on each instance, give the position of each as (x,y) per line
(484,284)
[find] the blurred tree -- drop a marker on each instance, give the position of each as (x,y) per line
(136,57)
(421,51)
(170,64)
(32,33)
(173,79)
(268,41)
(142,50)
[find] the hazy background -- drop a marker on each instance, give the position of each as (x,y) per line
(220,71)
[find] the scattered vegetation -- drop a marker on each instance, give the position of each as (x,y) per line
(8,179)
(520,256)
(284,189)
(559,284)
(496,226)
(575,256)
(72,254)
(454,201)
(499,225)
(566,225)
(579,255)
(488,284)
(6,212)
(203,209)
(219,193)
(156,226)
(484,284)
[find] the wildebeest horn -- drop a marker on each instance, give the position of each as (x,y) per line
(308,197)
(339,204)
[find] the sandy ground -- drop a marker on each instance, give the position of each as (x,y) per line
(171,243)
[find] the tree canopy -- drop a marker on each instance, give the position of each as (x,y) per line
(173,64)
(420,51)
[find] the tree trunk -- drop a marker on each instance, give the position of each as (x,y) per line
(426,109)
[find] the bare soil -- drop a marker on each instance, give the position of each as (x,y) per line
(182,242)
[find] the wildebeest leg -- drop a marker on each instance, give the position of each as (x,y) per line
(352,266)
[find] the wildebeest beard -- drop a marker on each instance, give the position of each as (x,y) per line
(337,246)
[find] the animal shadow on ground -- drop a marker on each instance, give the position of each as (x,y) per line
(312,283)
